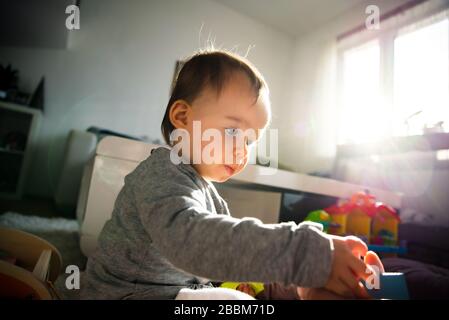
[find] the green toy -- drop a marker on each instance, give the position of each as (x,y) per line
(320,216)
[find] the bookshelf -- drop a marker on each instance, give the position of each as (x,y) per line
(19,126)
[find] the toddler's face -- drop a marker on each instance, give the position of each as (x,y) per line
(232,113)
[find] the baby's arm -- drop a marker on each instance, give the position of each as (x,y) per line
(175,216)
(200,242)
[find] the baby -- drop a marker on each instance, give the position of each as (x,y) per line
(171,235)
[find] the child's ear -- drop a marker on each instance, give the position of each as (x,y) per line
(180,112)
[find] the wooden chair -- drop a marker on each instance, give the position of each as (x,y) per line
(17,280)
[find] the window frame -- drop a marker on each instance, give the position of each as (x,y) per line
(386,35)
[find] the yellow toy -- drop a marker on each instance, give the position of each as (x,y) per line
(340,219)
(359,224)
(385,226)
(363,216)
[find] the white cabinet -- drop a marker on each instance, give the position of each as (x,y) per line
(19,126)
(263,205)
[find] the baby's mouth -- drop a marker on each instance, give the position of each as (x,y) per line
(229,169)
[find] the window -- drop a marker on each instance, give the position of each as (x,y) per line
(396,83)
(421,74)
(361,94)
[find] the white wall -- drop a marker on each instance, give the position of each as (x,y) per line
(117,70)
(309,137)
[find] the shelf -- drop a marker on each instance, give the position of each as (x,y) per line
(15,152)
(24,122)
(19,108)
(396,145)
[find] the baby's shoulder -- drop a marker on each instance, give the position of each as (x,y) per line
(158,170)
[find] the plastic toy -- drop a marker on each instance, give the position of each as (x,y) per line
(258,287)
(363,216)
(362,209)
(385,226)
(392,285)
(339,217)
(320,216)
(354,216)
(401,249)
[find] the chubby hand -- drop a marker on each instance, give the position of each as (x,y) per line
(347,267)
(370,259)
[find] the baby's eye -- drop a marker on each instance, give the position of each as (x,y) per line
(234,132)
(231,132)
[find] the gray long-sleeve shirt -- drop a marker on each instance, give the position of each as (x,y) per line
(170,230)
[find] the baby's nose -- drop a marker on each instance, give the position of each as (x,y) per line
(240,155)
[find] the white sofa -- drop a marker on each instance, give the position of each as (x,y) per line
(103,177)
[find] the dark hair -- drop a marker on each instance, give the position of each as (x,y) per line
(208,69)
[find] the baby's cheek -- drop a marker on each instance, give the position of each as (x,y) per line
(210,154)
(242,166)
(227,154)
